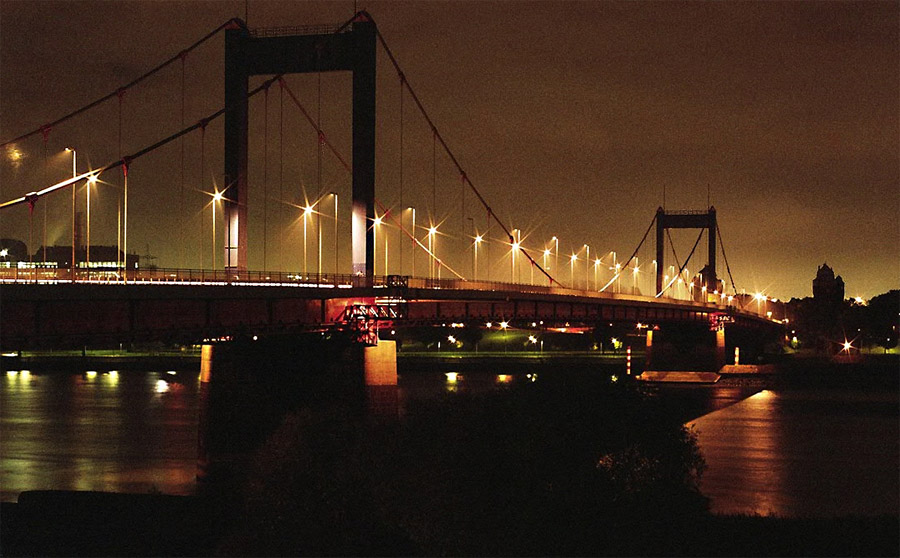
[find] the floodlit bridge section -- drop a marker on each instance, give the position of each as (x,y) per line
(74,314)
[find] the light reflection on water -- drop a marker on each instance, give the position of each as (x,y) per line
(799,452)
(814,453)
(97,431)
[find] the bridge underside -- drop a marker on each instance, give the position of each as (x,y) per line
(59,316)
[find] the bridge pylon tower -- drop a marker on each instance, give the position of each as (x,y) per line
(287,51)
(686,220)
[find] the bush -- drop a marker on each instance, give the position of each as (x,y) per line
(572,465)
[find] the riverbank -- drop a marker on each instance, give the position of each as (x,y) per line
(85,524)
(59,523)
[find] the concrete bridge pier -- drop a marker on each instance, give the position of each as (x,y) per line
(680,347)
(248,386)
(379,367)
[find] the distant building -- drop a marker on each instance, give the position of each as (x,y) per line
(705,277)
(12,250)
(828,289)
(102,257)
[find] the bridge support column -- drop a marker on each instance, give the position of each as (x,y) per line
(249,387)
(648,352)
(720,348)
(380,372)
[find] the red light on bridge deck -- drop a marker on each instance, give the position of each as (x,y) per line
(628,360)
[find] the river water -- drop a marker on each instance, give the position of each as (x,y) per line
(793,453)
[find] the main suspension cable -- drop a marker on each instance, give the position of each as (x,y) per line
(674,277)
(633,254)
(727,267)
(231,23)
(128,159)
(439,138)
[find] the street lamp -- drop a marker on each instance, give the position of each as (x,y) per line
(432,241)
(90,182)
(544,262)
(413,232)
(74,174)
(307,211)
(587,266)
(555,241)
(335,233)
(634,275)
(376,224)
(572,270)
(596,267)
(514,247)
(478,240)
(217,196)
(616,270)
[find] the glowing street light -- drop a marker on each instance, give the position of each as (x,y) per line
(377,224)
(217,197)
(544,262)
(514,248)
(759,297)
(335,234)
(596,267)
(634,275)
(618,278)
(572,261)
(413,231)
(478,240)
(556,252)
(307,211)
(74,174)
(92,180)
(432,242)
(587,265)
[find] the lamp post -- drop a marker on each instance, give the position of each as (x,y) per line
(413,232)
(217,196)
(634,275)
(596,267)
(307,211)
(514,247)
(478,240)
(556,252)
(431,249)
(319,249)
(74,174)
(386,237)
(91,181)
(375,225)
(544,262)
(615,270)
(335,233)
(572,270)
(87,255)
(587,264)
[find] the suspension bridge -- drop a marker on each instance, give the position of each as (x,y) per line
(277,226)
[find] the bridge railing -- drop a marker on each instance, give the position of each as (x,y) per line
(162,276)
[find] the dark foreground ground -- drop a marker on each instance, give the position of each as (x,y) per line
(514,474)
(102,524)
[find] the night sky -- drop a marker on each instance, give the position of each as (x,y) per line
(575,119)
